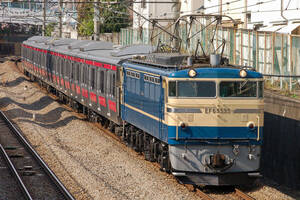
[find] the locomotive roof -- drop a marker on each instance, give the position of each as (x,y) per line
(203,72)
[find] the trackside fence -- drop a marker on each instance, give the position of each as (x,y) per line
(273,54)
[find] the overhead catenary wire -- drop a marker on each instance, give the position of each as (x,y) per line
(95,2)
(256,4)
(265,11)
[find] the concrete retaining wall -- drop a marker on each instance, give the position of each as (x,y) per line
(281,148)
(11,44)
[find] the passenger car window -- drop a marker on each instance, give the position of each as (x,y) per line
(102,81)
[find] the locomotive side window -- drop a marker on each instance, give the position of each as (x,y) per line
(238,89)
(172,89)
(260,89)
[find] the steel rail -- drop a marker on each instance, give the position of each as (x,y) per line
(48,171)
(243,195)
(15,173)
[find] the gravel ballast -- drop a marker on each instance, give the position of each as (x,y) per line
(90,163)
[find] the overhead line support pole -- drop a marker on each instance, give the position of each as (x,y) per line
(60,18)
(96,20)
(44,17)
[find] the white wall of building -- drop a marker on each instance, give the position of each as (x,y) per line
(233,8)
(162,11)
(191,6)
(262,11)
(150,11)
(270,12)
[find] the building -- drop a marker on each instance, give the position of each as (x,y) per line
(164,13)
(256,13)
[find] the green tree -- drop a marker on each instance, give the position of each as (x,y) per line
(85,19)
(49,28)
(113,17)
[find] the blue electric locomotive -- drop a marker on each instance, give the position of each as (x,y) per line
(211,119)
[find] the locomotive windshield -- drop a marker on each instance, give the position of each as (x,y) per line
(241,89)
(192,89)
(207,89)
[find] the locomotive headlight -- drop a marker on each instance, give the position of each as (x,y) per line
(182,125)
(251,125)
(192,73)
(243,73)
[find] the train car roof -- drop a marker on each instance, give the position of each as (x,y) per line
(215,72)
(88,49)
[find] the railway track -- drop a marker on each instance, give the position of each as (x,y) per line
(25,175)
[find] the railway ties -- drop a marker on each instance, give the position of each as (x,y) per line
(23,174)
(233,194)
(243,195)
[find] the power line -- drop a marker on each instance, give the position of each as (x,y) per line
(265,11)
(256,4)
(95,2)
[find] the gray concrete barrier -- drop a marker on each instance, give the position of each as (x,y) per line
(281,147)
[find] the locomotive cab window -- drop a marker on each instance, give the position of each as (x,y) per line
(192,89)
(240,89)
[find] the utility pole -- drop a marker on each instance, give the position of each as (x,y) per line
(60,18)
(96,20)
(220,7)
(176,14)
(245,14)
(44,17)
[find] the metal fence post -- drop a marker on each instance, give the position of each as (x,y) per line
(291,62)
(234,46)
(273,53)
(281,66)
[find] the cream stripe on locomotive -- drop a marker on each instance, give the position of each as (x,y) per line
(237,117)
